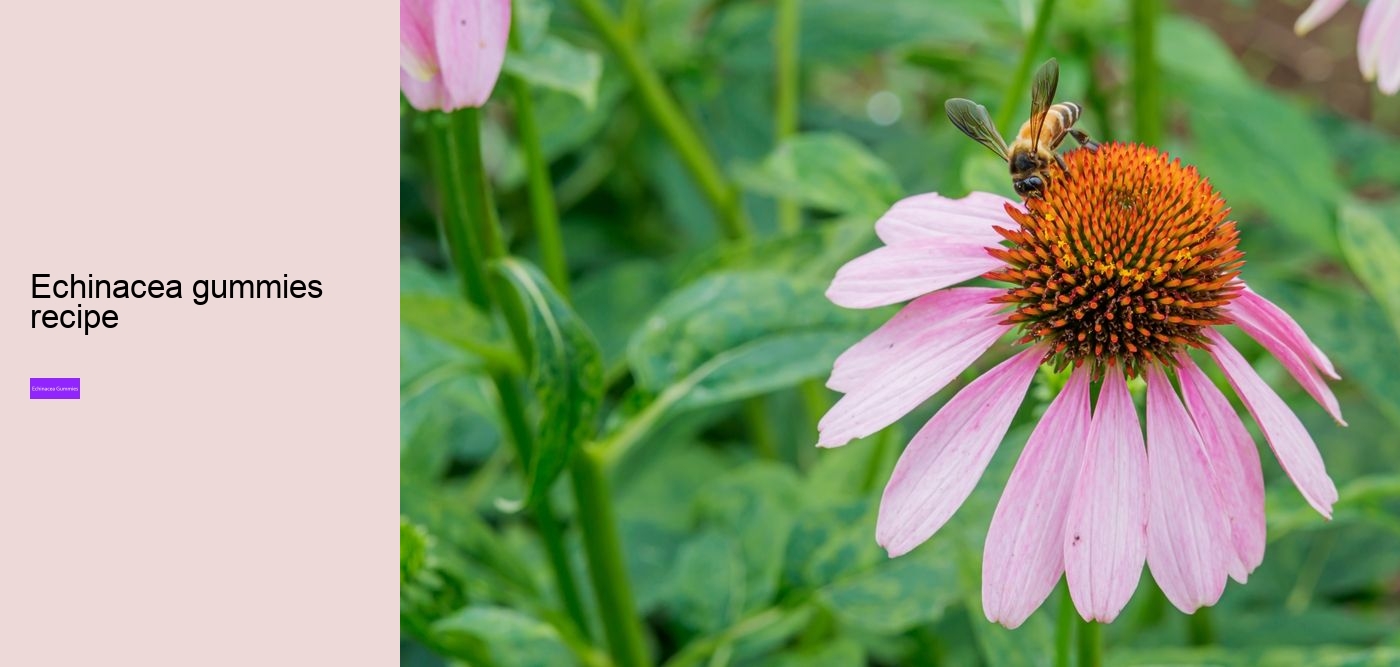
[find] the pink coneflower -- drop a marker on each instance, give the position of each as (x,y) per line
(1119,269)
(451,51)
(1377,42)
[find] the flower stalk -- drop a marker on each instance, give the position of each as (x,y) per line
(597,520)
(1022,80)
(1090,643)
(666,113)
(785,106)
(1147,100)
(464,183)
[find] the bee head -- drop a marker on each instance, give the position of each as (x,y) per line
(1028,187)
(1023,162)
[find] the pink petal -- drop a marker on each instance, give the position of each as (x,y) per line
(932,315)
(945,459)
(926,364)
(1292,445)
(471,40)
(1291,356)
(417,53)
(1188,532)
(1106,531)
(1377,26)
(1235,461)
(1316,13)
(1389,65)
(901,272)
(1025,549)
(423,95)
(1263,314)
(933,215)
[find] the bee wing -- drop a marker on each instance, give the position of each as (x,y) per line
(972,119)
(1043,86)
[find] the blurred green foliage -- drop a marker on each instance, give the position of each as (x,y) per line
(696,362)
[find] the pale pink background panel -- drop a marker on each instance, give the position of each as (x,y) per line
(224,491)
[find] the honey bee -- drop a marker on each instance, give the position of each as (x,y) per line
(1033,151)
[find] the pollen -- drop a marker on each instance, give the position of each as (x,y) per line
(1124,260)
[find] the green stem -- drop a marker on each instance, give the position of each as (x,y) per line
(513,409)
(785,114)
(461,159)
(603,545)
(543,210)
(873,465)
(1147,112)
(760,429)
(597,522)
(1020,84)
(1090,644)
(1200,630)
(452,220)
(667,114)
(1095,95)
(1064,628)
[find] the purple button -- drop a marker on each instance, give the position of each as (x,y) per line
(54,388)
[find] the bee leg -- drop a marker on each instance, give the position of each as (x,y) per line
(1083,138)
(1060,160)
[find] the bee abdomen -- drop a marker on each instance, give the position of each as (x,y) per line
(1067,112)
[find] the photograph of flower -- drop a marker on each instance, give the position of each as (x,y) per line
(922,332)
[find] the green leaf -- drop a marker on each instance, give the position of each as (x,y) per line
(615,301)
(503,637)
(896,595)
(725,311)
(1325,656)
(838,652)
(1235,130)
(558,65)
(829,172)
(708,588)
(1370,239)
(1211,59)
(756,504)
(566,373)
(455,322)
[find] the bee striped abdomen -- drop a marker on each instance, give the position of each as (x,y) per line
(1067,113)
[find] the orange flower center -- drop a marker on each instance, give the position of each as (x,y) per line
(1124,260)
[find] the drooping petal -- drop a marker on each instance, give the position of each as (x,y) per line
(417,52)
(1189,550)
(1316,13)
(901,272)
(1389,66)
(1299,366)
(1106,531)
(1234,460)
(1024,554)
(423,95)
(471,37)
(1260,313)
(939,315)
(933,215)
(1292,445)
(947,456)
(927,364)
(1378,24)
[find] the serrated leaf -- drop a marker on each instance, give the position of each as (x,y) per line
(566,374)
(1370,239)
(558,65)
(829,172)
(503,637)
(722,313)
